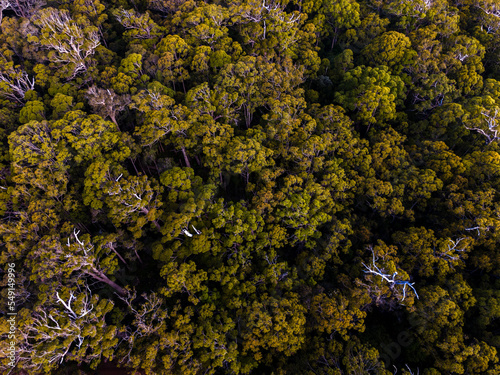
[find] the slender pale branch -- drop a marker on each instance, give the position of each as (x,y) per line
(391,279)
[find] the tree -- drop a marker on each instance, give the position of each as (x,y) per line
(490,14)
(361,359)
(210,133)
(25,8)
(333,315)
(271,324)
(184,278)
(139,26)
(250,186)
(391,279)
(89,137)
(216,102)
(33,110)
(68,325)
(71,43)
(391,49)
(173,51)
(107,103)
(88,12)
(439,316)
(186,199)
(371,93)
(14,83)
(334,16)
(432,86)
(166,6)
(483,112)
(163,117)
(207,24)
(38,160)
(432,257)
(371,26)
(412,15)
(78,257)
(254,81)
(247,155)
(128,199)
(4,4)
(61,104)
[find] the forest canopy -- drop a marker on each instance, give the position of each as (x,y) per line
(250,186)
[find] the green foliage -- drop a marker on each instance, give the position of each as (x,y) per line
(32,111)
(391,49)
(70,42)
(371,93)
(139,26)
(91,137)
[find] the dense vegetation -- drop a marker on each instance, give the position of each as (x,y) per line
(251,186)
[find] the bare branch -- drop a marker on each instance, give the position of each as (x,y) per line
(25,8)
(143,25)
(491,132)
(450,253)
(411,372)
(187,233)
(490,9)
(67,305)
(81,244)
(62,34)
(391,279)
(107,103)
(15,85)
(478,228)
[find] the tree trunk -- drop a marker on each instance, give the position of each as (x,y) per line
(135,168)
(248,116)
(99,275)
(117,254)
(186,160)
(112,116)
(334,38)
(155,222)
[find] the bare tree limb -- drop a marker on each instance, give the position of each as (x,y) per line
(391,279)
